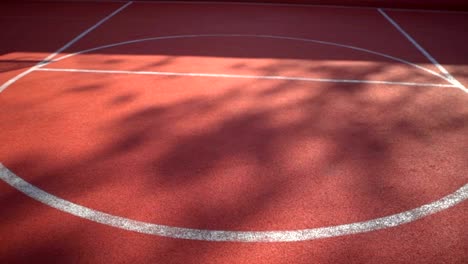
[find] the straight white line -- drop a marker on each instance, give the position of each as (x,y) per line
(47,60)
(86,32)
(254,36)
(441,68)
(268,77)
(421,49)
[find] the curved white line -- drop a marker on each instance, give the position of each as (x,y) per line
(49,58)
(233,236)
(434,62)
(258,36)
(220,235)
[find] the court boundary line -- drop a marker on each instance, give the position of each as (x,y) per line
(441,68)
(87,213)
(21,185)
(258,36)
(241,76)
(49,58)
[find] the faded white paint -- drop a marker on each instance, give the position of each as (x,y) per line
(234,236)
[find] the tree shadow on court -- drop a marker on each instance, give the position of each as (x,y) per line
(50,247)
(234,155)
(241,155)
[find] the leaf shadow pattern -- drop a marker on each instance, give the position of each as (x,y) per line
(235,158)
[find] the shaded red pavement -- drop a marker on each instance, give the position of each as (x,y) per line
(232,154)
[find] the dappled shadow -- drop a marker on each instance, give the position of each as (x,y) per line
(233,154)
(256,145)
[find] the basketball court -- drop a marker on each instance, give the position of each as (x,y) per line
(223,132)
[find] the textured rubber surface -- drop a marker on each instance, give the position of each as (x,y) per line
(235,154)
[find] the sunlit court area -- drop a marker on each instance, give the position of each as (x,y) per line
(295,131)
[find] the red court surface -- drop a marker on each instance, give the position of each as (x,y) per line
(154,132)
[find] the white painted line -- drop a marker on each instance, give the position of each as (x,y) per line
(47,60)
(222,235)
(10,178)
(257,36)
(17,77)
(449,77)
(394,220)
(268,77)
(84,33)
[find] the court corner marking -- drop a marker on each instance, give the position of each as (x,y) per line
(33,192)
(449,77)
(49,58)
